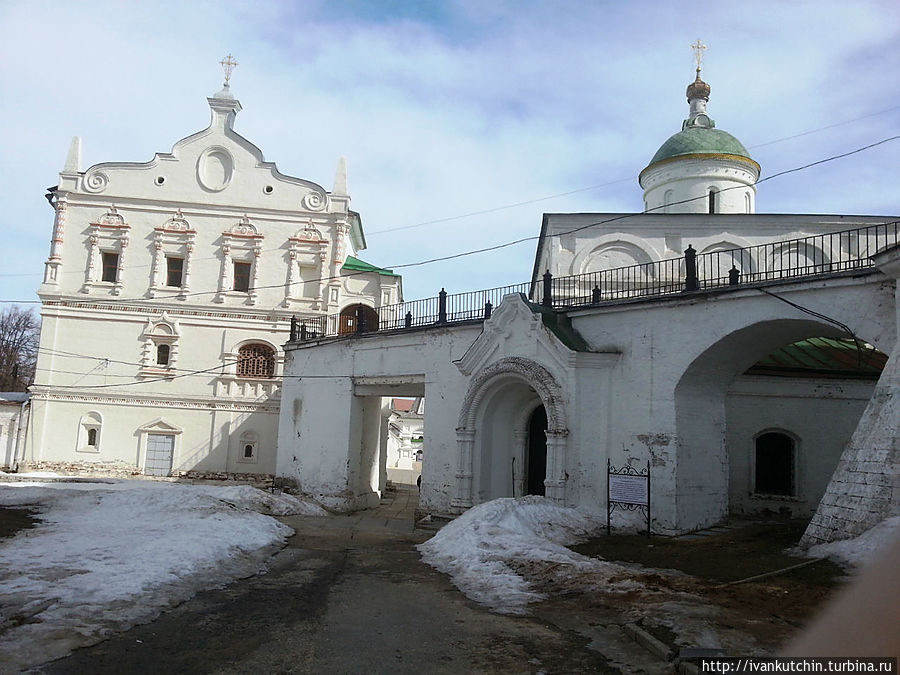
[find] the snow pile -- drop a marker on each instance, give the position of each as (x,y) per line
(108,556)
(490,549)
(862,549)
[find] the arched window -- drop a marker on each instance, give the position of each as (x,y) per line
(89,427)
(249,442)
(774,464)
(667,201)
(256,360)
(712,200)
(162,354)
(358,318)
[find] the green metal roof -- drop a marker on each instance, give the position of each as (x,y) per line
(700,141)
(823,357)
(352,264)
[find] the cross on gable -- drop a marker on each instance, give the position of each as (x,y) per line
(228,64)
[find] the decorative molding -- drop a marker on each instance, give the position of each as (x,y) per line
(315,200)
(533,374)
(196,404)
(95,181)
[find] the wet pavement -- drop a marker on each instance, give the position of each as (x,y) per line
(349,594)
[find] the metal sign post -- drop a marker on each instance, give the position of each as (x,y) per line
(627,489)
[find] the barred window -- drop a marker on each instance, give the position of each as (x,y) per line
(256,360)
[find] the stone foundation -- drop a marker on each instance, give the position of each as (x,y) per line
(124,470)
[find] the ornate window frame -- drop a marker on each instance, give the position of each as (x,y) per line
(241,243)
(308,248)
(248,439)
(110,234)
(91,421)
(162,330)
(174,238)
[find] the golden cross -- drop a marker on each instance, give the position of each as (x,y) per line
(698,48)
(228,63)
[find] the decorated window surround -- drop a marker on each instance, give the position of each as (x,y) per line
(248,439)
(241,243)
(174,238)
(89,422)
(109,234)
(309,249)
(162,330)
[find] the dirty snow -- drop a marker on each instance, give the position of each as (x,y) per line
(109,555)
(862,549)
(508,553)
(487,550)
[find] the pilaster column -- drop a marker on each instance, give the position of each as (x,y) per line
(158,258)
(89,274)
(224,274)
(120,267)
(254,281)
(555,482)
(520,439)
(465,441)
(51,267)
(292,277)
(186,273)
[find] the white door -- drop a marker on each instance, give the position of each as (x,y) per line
(160,448)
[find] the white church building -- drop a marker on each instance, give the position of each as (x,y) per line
(733,353)
(167,295)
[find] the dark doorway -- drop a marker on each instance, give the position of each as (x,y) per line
(358,318)
(536,459)
(774,464)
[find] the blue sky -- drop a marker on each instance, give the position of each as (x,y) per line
(449,108)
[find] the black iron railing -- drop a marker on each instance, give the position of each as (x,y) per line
(806,257)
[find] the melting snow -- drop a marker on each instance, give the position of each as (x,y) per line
(107,556)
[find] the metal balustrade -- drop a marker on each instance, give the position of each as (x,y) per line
(802,258)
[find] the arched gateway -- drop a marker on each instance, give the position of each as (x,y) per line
(496,434)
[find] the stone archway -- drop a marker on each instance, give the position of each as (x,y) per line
(722,404)
(492,432)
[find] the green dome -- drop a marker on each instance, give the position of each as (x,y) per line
(700,141)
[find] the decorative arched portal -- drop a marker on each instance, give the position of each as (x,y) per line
(497,418)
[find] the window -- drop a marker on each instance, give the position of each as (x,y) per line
(241,277)
(712,200)
(248,443)
(256,360)
(174,271)
(89,427)
(110,266)
(774,464)
(162,354)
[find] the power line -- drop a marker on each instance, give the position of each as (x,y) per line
(521,240)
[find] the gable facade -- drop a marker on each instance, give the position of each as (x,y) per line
(168,292)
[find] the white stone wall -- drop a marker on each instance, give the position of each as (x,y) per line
(656,387)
